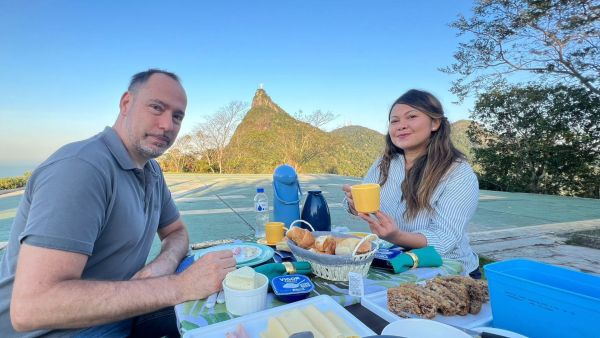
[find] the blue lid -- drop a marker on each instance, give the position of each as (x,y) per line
(285,174)
(292,285)
(259,190)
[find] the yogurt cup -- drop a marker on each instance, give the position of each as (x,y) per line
(291,288)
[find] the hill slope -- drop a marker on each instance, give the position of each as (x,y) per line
(268,137)
(460,139)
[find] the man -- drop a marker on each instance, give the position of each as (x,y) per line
(75,259)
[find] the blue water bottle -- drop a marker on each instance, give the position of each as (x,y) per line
(316,211)
(286,195)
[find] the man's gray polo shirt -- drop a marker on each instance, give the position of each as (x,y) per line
(89,198)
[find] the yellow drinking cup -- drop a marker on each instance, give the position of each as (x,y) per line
(274,232)
(366,197)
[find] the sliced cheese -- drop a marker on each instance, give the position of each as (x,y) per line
(274,329)
(322,323)
(340,324)
(295,321)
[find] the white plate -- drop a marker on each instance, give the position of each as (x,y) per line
(256,323)
(247,251)
(419,328)
(377,303)
(505,333)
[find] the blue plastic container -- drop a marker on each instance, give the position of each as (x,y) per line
(542,300)
(286,195)
(291,288)
(316,212)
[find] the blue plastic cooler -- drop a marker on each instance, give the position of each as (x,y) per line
(542,300)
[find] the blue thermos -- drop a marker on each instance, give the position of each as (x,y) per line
(286,195)
(316,212)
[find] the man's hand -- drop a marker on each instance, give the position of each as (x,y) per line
(348,192)
(206,275)
(382,225)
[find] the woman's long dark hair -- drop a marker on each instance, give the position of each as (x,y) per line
(428,169)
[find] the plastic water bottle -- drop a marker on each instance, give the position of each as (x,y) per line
(261,206)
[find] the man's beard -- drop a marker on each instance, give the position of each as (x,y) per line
(149,152)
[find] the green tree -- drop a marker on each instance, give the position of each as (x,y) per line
(182,156)
(554,39)
(538,139)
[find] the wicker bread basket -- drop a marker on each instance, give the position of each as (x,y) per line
(335,267)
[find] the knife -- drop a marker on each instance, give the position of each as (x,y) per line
(470,332)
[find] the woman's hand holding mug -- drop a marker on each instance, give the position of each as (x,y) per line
(348,192)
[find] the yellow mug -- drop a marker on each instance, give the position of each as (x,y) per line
(274,232)
(366,197)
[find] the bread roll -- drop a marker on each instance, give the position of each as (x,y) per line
(364,247)
(346,246)
(302,237)
(325,244)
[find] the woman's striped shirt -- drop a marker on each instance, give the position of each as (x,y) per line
(454,202)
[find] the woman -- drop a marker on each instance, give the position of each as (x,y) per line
(429,192)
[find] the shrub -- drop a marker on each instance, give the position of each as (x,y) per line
(14,182)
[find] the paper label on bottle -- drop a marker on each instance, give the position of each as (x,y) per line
(356,285)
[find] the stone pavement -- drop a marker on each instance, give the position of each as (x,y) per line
(545,243)
(506,225)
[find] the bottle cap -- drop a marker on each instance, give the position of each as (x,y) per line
(259,190)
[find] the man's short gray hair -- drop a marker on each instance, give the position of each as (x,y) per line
(141,77)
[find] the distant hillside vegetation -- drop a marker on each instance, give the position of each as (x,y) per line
(268,137)
(363,145)
(366,139)
(460,139)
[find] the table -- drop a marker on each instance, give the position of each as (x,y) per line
(370,319)
(194,314)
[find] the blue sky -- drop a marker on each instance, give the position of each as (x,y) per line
(65,64)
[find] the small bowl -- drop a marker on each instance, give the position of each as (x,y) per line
(242,302)
(291,288)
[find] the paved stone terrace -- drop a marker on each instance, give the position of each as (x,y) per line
(506,225)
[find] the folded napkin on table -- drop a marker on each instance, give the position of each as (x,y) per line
(425,257)
(273,270)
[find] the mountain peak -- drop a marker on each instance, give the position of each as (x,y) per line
(261,98)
